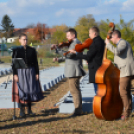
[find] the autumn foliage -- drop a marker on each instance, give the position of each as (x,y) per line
(40,31)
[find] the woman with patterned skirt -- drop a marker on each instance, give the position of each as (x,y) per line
(26,86)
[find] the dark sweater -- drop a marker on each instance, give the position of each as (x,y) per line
(94,57)
(29,56)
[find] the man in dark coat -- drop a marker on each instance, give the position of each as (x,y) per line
(95,54)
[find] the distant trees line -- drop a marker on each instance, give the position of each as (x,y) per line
(85,22)
(82,27)
(7,27)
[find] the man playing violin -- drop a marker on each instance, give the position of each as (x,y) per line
(94,55)
(73,70)
(123,59)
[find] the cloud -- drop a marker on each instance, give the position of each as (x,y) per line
(52,3)
(17,8)
(5,10)
(111,2)
(128,6)
(56,12)
(60,12)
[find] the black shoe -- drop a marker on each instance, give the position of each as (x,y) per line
(76,114)
(30,113)
(22,113)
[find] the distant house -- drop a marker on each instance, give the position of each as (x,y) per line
(11,40)
(17,31)
(31,31)
(49,34)
(3,40)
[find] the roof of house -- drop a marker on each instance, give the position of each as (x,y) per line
(17,31)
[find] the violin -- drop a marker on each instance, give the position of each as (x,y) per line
(107,104)
(85,45)
(62,44)
(80,47)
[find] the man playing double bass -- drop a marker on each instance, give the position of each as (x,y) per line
(123,59)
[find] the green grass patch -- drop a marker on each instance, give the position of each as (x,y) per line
(43,62)
(6,59)
(46,62)
(9,45)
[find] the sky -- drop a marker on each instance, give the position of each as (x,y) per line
(57,12)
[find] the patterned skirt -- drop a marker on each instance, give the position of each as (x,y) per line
(28,89)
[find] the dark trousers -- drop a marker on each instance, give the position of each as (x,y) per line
(22,106)
(95,88)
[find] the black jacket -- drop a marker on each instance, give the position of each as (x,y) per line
(94,57)
(29,56)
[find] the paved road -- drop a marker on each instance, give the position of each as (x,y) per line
(5,65)
(5,53)
(4,78)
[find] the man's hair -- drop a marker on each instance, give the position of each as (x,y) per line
(117,32)
(22,34)
(72,31)
(96,30)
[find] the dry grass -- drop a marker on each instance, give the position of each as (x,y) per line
(48,121)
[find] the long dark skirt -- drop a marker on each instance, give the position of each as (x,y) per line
(28,89)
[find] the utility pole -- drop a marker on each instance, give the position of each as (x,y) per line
(50,40)
(42,33)
(2,48)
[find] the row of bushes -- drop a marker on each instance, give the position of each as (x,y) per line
(43,53)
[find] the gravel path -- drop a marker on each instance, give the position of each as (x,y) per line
(4,78)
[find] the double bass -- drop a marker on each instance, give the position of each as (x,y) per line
(107,104)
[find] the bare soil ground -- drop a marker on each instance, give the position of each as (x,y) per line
(48,121)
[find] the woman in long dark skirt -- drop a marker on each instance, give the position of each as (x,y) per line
(26,86)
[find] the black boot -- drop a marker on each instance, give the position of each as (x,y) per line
(29,111)
(22,110)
